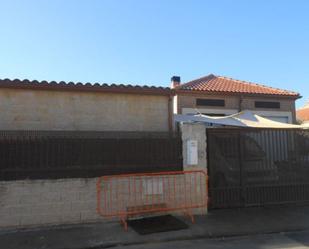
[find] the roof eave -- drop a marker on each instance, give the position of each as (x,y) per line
(87,88)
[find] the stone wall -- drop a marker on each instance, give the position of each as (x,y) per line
(34,203)
(44,202)
(58,110)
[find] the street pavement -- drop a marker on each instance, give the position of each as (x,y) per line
(296,240)
(227,223)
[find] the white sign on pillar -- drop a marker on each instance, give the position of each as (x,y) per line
(192,157)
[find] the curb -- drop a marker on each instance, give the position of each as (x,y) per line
(186,238)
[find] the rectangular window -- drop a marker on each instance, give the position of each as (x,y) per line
(214,114)
(210,102)
(267,104)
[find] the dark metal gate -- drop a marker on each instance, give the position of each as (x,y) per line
(253,167)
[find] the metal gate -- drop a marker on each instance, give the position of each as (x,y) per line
(253,167)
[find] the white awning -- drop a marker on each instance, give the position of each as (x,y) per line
(241,119)
(305,125)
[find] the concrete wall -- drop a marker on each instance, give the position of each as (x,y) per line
(195,132)
(43,202)
(58,110)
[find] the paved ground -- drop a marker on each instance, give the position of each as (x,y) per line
(217,224)
(297,240)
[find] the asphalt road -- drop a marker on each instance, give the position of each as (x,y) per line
(296,240)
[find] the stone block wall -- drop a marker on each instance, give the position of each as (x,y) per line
(43,202)
(91,111)
(33,203)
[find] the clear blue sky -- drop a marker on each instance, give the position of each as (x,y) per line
(146,42)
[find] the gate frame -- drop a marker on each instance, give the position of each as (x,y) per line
(240,131)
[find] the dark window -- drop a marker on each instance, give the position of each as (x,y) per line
(267,104)
(210,102)
(214,114)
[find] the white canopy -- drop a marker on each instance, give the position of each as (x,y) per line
(305,125)
(241,119)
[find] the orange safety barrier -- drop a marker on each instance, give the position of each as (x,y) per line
(129,195)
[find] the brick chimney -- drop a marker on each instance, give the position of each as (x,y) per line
(175,81)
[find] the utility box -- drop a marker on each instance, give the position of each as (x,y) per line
(192,156)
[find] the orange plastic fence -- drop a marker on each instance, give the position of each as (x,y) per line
(129,195)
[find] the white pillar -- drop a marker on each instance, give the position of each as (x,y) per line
(194,132)
(192,135)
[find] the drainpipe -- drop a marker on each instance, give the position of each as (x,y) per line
(170,113)
(175,82)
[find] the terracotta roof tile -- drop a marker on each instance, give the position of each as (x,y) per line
(213,83)
(71,86)
(303,114)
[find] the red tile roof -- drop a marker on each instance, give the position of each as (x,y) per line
(302,114)
(213,83)
(85,87)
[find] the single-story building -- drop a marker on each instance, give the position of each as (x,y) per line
(57,138)
(220,96)
(33,105)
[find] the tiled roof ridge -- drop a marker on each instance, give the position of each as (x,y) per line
(210,76)
(82,84)
(255,84)
(202,82)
